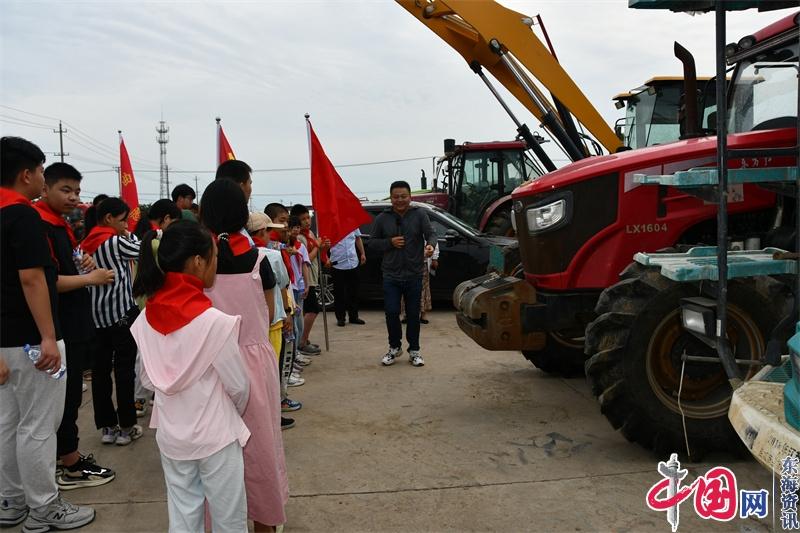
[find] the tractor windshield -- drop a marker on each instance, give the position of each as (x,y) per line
(765,91)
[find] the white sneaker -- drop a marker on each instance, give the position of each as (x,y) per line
(126,437)
(294,381)
(415,358)
(109,435)
(302,360)
(390,356)
(59,514)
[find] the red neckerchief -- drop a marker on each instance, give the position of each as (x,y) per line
(287,261)
(179,301)
(154,226)
(11,197)
(261,243)
(237,242)
(313,243)
(97,237)
(54,219)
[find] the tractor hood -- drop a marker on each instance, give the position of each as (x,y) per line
(654,159)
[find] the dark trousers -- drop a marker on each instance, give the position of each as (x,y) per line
(77,354)
(116,351)
(411,291)
(345,293)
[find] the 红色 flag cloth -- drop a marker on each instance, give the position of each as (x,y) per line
(127,186)
(225,150)
(336,208)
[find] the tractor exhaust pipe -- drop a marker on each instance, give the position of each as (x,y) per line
(690,123)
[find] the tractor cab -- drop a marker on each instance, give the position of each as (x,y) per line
(472,179)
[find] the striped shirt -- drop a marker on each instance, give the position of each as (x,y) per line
(110,303)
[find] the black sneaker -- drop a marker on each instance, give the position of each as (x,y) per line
(287,423)
(60,464)
(84,474)
(357,321)
(340,323)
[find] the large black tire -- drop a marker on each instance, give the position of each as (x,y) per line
(635,347)
(562,356)
(325,300)
(500,224)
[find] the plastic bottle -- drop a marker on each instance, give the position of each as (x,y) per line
(33,353)
(77,258)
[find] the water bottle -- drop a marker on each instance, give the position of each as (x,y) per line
(77,258)
(34,353)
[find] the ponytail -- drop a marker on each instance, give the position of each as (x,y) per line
(224,251)
(167,251)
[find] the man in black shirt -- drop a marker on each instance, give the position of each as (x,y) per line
(405,237)
(31,401)
(60,196)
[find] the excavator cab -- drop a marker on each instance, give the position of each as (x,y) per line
(653,111)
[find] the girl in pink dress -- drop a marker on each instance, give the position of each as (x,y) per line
(190,358)
(243,287)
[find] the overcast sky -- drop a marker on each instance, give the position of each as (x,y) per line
(378,84)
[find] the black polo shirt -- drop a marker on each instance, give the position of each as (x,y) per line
(74,307)
(23,245)
(244,263)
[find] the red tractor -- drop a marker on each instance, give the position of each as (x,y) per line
(578,228)
(474,182)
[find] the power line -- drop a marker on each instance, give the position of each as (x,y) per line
(28,112)
(8,121)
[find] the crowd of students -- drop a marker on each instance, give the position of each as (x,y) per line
(210,307)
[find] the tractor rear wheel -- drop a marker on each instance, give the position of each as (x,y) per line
(562,355)
(635,367)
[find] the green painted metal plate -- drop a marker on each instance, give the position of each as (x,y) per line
(700,264)
(705,176)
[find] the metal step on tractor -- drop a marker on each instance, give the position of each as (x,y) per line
(582,306)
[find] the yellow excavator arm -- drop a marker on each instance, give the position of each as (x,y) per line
(479,29)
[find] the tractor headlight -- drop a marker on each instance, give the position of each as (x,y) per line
(546,216)
(699,316)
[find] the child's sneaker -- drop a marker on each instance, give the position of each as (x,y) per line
(126,436)
(309,349)
(12,512)
(302,360)
(294,381)
(109,435)
(287,423)
(288,405)
(390,356)
(415,358)
(141,407)
(84,474)
(59,514)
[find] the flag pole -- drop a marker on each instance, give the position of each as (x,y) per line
(319,252)
(119,172)
(216,162)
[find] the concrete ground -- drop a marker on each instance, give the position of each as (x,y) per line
(473,441)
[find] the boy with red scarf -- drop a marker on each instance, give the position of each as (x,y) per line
(31,401)
(61,194)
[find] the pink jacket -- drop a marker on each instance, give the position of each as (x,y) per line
(200,382)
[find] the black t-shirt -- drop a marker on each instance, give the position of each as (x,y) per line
(245,263)
(23,245)
(74,307)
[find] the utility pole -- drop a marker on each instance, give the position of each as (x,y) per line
(163,139)
(119,178)
(61,131)
(196,187)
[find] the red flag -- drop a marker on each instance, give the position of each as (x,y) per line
(337,209)
(127,185)
(225,152)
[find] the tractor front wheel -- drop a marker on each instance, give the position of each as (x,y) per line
(637,373)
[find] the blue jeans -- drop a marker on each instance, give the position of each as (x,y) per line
(411,291)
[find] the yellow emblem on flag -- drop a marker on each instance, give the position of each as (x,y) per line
(135,214)
(126,179)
